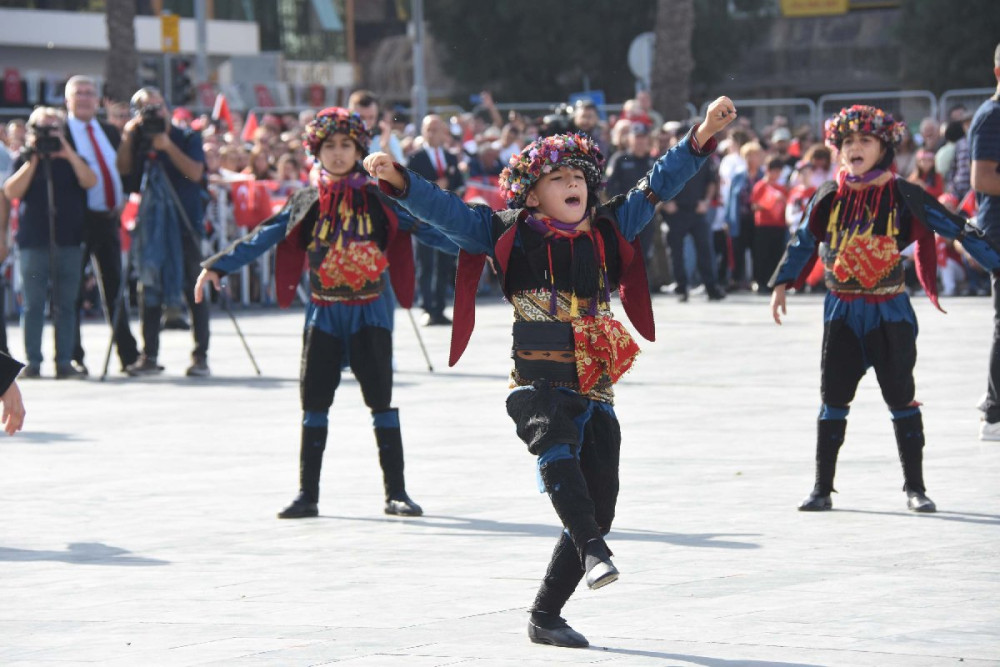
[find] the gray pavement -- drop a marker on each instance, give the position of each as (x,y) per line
(138,516)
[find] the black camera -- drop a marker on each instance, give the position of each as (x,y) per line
(560,121)
(47,139)
(152,122)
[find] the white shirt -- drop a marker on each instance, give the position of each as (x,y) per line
(438,160)
(85,149)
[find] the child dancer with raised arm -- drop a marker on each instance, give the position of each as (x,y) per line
(559,253)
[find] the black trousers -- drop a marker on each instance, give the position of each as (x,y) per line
(993,380)
(679,226)
(891,348)
(370,353)
(152,309)
(768,247)
(546,417)
(435,275)
(102,241)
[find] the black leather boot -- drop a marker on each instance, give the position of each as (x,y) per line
(553,630)
(390,457)
(910,443)
(310,463)
(829,438)
(561,579)
(567,490)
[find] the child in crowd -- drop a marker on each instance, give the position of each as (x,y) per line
(768,200)
(860,223)
(355,244)
(924,175)
(559,253)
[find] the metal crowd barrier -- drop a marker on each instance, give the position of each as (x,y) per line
(761,112)
(971,98)
(909,105)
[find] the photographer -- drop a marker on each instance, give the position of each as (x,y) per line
(97,143)
(47,152)
(166,165)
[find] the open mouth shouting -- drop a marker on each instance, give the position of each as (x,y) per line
(573,201)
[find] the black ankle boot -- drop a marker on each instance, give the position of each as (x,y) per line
(302,507)
(597,562)
(553,630)
(390,457)
(910,443)
(829,438)
(310,464)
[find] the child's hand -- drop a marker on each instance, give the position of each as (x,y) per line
(720,113)
(778,302)
(379,165)
(206,275)
(13,410)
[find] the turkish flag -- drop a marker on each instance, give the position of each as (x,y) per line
(221,111)
(251,203)
(484,191)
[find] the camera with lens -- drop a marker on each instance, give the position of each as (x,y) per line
(47,139)
(152,123)
(560,121)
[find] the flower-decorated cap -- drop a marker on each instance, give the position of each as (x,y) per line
(864,120)
(544,155)
(331,121)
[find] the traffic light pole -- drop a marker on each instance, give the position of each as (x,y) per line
(168,76)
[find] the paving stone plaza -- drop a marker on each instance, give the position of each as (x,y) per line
(139,514)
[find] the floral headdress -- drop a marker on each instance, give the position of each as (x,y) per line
(542,156)
(331,121)
(865,120)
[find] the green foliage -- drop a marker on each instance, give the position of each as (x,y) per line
(946,45)
(530,50)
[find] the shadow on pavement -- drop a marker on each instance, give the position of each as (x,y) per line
(962,517)
(80,553)
(452,523)
(702,660)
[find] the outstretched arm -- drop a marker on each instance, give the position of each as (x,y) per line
(470,228)
(673,169)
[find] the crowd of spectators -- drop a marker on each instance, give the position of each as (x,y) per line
(725,232)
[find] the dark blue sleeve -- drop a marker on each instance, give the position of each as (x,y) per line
(250,247)
(427,234)
(984,134)
(666,179)
(800,249)
(470,228)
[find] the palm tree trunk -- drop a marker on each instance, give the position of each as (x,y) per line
(123,62)
(672,59)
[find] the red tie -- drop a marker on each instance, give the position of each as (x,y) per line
(109,188)
(440,165)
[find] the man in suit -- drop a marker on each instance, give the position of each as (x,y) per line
(97,143)
(435,269)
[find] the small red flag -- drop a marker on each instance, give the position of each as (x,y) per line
(249,127)
(221,111)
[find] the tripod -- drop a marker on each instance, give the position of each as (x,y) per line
(154,174)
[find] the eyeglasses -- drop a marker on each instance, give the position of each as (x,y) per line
(85,93)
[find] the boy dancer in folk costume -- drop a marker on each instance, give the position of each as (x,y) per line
(860,223)
(559,253)
(350,237)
